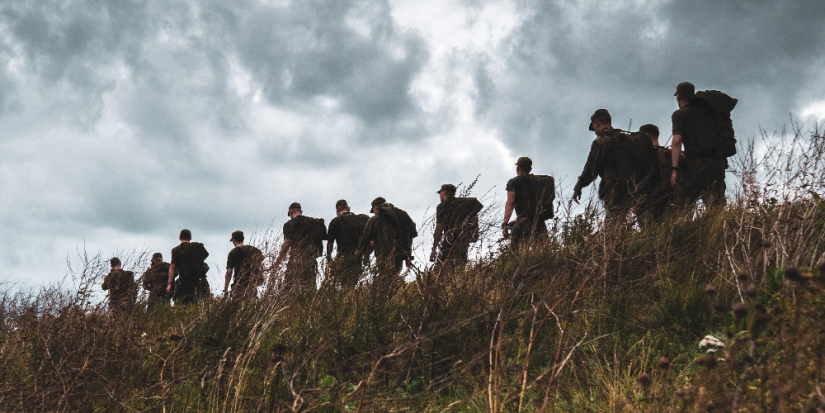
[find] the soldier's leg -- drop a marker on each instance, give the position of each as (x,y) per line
(186,291)
(346,271)
(714,194)
(461,252)
(540,232)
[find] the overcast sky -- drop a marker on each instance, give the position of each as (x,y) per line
(122,122)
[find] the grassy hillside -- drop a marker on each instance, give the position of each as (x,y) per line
(595,321)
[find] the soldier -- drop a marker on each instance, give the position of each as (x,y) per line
(246,262)
(622,166)
(121,286)
(704,174)
(344,231)
(302,242)
(154,281)
(528,226)
(189,267)
(661,192)
(390,231)
(456,227)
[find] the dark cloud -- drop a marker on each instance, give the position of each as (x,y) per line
(313,50)
(569,58)
(143,117)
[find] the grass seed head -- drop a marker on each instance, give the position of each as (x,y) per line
(793,274)
(751,291)
(644,380)
(763,319)
(739,310)
(664,363)
(705,361)
(710,290)
(743,276)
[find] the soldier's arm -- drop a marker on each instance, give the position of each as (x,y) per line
(508,212)
(227,280)
(331,236)
(147,279)
(366,237)
(595,162)
(282,253)
(171,278)
(675,153)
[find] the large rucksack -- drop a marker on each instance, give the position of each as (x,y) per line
(543,193)
(635,158)
(318,234)
(192,256)
(352,226)
(713,127)
(404,224)
(465,216)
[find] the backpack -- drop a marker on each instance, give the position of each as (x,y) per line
(635,158)
(318,233)
(352,226)
(465,216)
(192,256)
(404,224)
(713,127)
(543,188)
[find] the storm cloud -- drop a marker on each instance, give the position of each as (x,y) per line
(123,122)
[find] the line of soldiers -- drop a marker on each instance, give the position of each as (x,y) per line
(637,174)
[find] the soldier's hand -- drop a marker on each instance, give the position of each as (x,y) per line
(169,288)
(577,195)
(432,256)
(673,176)
(505,231)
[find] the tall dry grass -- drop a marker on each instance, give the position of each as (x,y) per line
(595,320)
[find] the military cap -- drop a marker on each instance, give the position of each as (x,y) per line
(600,113)
(342,203)
(185,234)
(294,205)
(157,255)
(650,129)
(450,188)
(114,262)
(525,163)
(378,201)
(685,89)
(237,236)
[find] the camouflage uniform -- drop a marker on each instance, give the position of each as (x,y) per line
(661,193)
(704,174)
(528,226)
(301,268)
(615,195)
(189,288)
(155,280)
(455,237)
(245,261)
(122,290)
(347,267)
(393,245)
